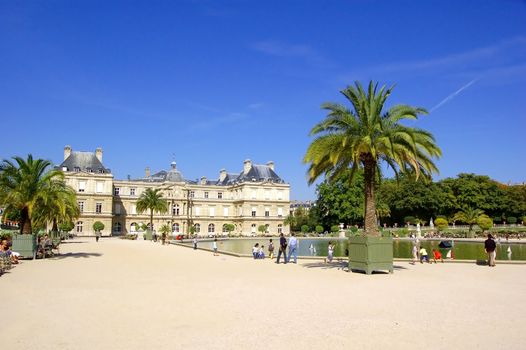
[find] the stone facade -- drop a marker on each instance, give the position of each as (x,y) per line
(256,196)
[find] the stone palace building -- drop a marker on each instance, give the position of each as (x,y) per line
(250,198)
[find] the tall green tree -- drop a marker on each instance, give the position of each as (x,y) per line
(152,200)
(23,184)
(476,191)
(340,200)
(366,135)
(423,199)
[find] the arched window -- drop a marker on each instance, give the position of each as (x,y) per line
(280,229)
(253,228)
(79,226)
(266,228)
(224,228)
(175,209)
(175,228)
(133,227)
(211,228)
(197,228)
(117,227)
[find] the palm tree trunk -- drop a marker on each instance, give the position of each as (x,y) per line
(54,227)
(25,222)
(371,228)
(151,220)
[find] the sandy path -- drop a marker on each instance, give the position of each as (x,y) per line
(139,295)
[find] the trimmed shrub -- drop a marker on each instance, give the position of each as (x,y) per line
(403,232)
(335,228)
(441,224)
(318,229)
(410,219)
(98,226)
(304,228)
(484,222)
(512,220)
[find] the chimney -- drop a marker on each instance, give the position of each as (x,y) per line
(147,170)
(247,164)
(203,180)
(67,152)
(222,174)
(270,164)
(98,154)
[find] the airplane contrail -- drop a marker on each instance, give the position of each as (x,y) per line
(450,97)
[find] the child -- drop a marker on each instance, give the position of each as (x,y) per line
(214,247)
(271,249)
(261,252)
(423,255)
(437,256)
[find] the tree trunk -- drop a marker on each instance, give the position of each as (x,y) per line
(54,227)
(25,222)
(151,220)
(371,226)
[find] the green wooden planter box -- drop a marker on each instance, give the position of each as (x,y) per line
(26,245)
(147,235)
(370,254)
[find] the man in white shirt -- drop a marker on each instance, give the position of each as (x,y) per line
(293,247)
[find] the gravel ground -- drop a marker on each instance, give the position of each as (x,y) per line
(119,294)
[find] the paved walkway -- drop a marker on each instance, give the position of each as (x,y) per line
(121,294)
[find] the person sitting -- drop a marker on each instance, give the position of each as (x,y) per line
(8,253)
(261,252)
(255,250)
(423,255)
(437,256)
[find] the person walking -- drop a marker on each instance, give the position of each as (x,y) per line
(271,249)
(282,249)
(214,247)
(97,236)
(194,241)
(490,248)
(293,247)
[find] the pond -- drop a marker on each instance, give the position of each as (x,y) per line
(402,248)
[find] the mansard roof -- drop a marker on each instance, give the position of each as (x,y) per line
(256,173)
(84,161)
(260,173)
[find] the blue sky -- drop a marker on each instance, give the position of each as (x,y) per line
(214,83)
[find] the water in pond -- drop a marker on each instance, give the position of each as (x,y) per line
(402,248)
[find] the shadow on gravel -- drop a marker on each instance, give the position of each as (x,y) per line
(77,255)
(339,265)
(73,242)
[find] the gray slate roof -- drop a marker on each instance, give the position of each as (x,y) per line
(84,161)
(257,173)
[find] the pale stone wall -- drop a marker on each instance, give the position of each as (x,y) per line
(217,205)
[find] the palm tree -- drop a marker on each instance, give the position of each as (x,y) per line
(58,204)
(152,199)
(23,184)
(468,216)
(363,137)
